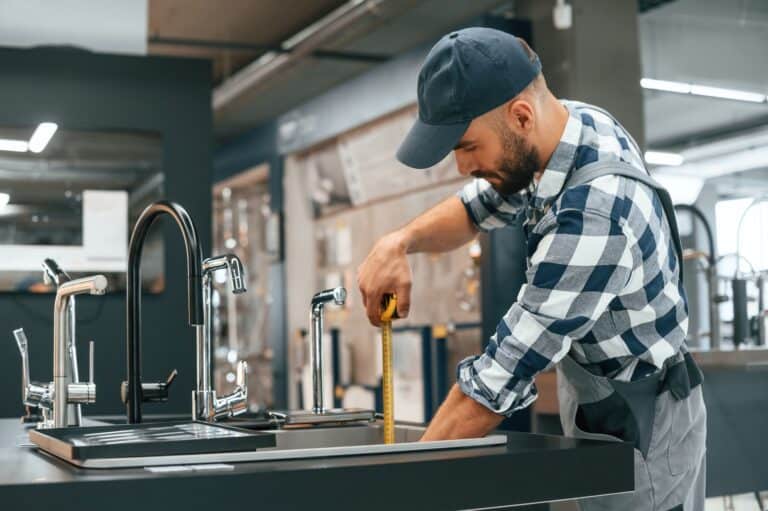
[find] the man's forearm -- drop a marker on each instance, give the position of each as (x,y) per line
(440,229)
(461,417)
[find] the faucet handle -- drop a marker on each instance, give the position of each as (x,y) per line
(242,374)
(172,376)
(90,361)
(156,392)
(21,341)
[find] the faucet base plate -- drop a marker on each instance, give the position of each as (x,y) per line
(331,415)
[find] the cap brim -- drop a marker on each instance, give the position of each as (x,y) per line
(427,144)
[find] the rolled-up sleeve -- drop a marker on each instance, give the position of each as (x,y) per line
(488,209)
(579,262)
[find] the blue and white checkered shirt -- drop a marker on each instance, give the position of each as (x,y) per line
(602,282)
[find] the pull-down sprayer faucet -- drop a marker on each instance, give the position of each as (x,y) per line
(135,391)
(205,405)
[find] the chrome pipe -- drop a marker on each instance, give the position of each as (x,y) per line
(337,295)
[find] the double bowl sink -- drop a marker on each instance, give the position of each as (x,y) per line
(321,441)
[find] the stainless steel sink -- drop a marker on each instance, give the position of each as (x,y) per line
(313,442)
(348,435)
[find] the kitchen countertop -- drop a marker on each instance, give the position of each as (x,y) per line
(530,468)
(749,358)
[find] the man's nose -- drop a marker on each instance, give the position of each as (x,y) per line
(464,163)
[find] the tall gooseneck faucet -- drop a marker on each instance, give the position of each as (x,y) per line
(134,394)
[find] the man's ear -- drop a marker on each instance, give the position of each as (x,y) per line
(519,115)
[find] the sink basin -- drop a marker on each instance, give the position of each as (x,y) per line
(313,442)
(121,419)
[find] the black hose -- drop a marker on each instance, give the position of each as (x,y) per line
(710,238)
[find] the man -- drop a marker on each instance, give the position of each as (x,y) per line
(603,300)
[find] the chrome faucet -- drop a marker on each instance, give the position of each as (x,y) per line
(55,397)
(53,274)
(205,405)
(338,295)
(64,392)
(319,414)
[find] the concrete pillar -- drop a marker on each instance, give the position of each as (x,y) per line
(597,60)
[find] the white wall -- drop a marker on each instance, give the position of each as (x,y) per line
(108,26)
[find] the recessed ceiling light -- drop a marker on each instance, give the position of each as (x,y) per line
(42,136)
(702,90)
(17,146)
(665,85)
(717,92)
(660,158)
(4,200)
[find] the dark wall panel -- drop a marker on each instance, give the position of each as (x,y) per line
(86,91)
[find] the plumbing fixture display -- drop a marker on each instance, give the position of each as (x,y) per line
(319,414)
(54,275)
(136,392)
(711,275)
(206,406)
(55,397)
(242,326)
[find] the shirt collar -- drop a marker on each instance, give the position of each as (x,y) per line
(559,165)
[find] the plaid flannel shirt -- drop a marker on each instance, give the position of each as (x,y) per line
(602,274)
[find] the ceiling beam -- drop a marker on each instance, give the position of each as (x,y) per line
(263,48)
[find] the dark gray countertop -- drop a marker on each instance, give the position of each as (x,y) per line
(530,468)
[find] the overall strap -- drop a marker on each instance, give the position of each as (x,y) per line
(593,171)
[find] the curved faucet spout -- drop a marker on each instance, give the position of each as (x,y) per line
(233,265)
(94,285)
(194,257)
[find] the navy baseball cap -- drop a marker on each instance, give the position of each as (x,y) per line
(466,74)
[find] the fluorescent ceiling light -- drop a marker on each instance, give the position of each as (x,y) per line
(665,85)
(702,90)
(42,136)
(4,199)
(732,163)
(18,146)
(659,158)
(716,92)
(682,189)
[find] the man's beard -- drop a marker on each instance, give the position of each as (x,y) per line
(517,166)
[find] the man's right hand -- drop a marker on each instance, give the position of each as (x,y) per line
(385,271)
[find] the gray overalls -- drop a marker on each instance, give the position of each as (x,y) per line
(662,415)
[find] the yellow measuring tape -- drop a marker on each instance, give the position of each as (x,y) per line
(389,304)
